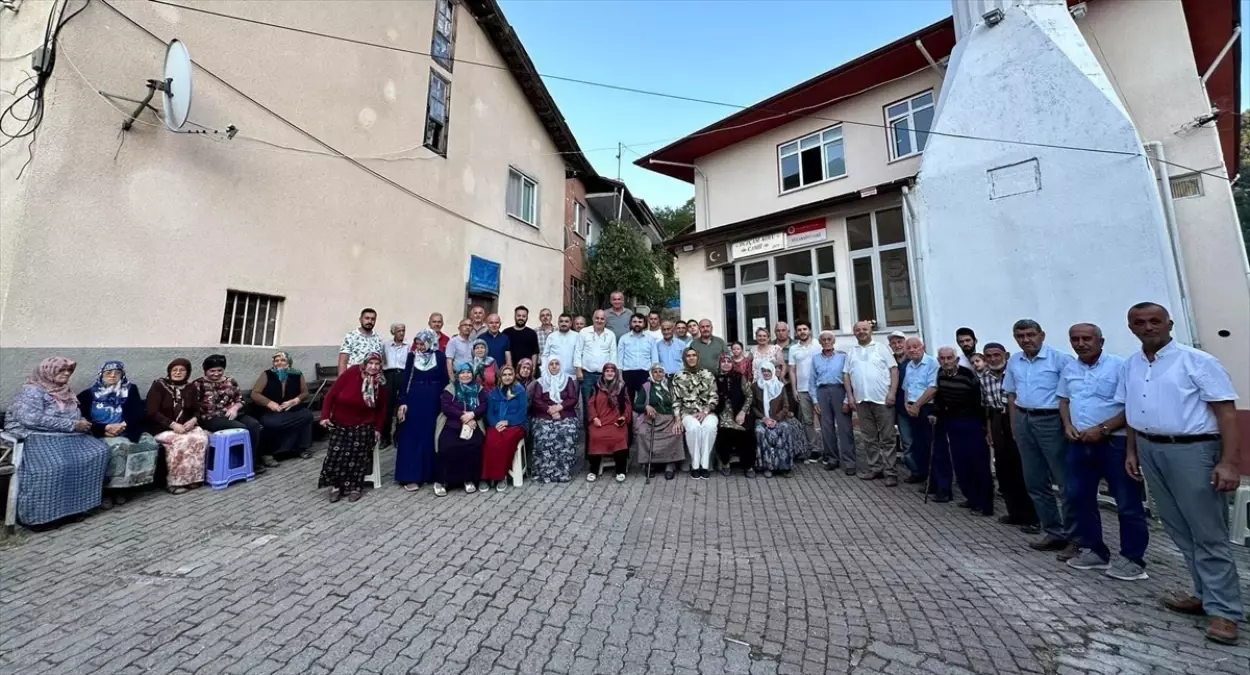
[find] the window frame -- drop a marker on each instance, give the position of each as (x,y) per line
(273,304)
(533,221)
(773,287)
(579,212)
(910,116)
(446,122)
(874,254)
(824,158)
(451,39)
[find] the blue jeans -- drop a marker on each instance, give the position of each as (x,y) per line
(917,456)
(589,382)
(1087,465)
(1195,517)
(1044,456)
(970,457)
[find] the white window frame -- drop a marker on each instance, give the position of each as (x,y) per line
(532,219)
(259,307)
(878,287)
(910,117)
(824,143)
(578,213)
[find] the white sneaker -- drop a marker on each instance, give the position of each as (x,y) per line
(590,478)
(620,478)
(439,490)
(469,488)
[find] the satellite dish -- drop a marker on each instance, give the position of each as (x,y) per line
(177,89)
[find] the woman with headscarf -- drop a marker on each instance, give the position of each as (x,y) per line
(172,406)
(423,382)
(460,437)
(221,408)
(354,411)
(484,366)
(507,408)
(695,391)
(281,392)
(736,435)
(608,413)
(525,373)
(553,408)
(525,376)
(117,416)
(63,466)
(776,432)
(656,430)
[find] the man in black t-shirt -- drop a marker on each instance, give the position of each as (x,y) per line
(524,340)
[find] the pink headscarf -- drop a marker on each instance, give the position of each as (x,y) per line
(44,377)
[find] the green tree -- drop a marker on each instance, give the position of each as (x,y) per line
(1241,189)
(622,259)
(675,220)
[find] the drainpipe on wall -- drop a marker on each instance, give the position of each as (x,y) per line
(1155,150)
(917,265)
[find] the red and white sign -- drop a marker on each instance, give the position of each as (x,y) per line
(807,232)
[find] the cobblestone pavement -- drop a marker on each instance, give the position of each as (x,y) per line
(816,573)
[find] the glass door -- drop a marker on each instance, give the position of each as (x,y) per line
(803,299)
(757,311)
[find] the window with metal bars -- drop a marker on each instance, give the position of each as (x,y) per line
(251,319)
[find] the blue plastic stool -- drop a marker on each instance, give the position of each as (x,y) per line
(229,458)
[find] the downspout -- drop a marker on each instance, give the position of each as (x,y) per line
(917,264)
(1155,150)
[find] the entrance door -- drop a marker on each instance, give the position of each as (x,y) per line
(757,310)
(804,301)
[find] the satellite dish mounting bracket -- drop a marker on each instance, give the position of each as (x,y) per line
(154,86)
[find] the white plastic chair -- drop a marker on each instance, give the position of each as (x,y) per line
(517,472)
(14,457)
(1239,519)
(375,478)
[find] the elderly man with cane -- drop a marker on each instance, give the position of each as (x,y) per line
(959,440)
(919,388)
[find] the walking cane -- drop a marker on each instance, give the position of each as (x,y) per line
(651,454)
(929,476)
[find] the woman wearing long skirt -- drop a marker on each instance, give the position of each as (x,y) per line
(777,434)
(553,408)
(736,435)
(506,409)
(695,391)
(63,466)
(656,430)
(354,411)
(423,382)
(287,422)
(460,437)
(118,418)
(172,406)
(608,412)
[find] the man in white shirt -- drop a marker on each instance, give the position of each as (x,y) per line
(653,330)
(1182,437)
(394,359)
(477,315)
(871,377)
(800,362)
(596,347)
(561,344)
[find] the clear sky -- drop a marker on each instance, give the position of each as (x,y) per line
(736,51)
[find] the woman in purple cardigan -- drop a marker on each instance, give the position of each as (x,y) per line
(553,406)
(459,452)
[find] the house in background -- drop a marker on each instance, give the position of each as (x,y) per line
(590,202)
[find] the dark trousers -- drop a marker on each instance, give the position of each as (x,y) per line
(740,442)
(1009,470)
(634,379)
(1087,465)
(970,458)
(589,382)
(917,456)
(941,456)
(241,422)
(620,458)
(394,380)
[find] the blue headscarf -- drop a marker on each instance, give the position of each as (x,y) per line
(290,366)
(466,394)
(108,401)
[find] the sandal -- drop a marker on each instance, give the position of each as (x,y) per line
(305,454)
(335,495)
(439,490)
(412,487)
(353,496)
(177,490)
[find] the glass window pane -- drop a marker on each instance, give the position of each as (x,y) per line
(802,293)
(757,271)
(896,110)
(442,51)
(813,166)
(835,159)
(890,227)
(793,263)
(859,232)
(896,279)
(731,315)
(865,295)
(271,330)
(514,193)
(824,260)
(527,202)
(240,310)
(783,310)
(922,100)
(833,134)
(924,121)
(902,139)
(809,142)
(756,308)
(727,276)
(828,305)
(231,298)
(789,172)
(789,148)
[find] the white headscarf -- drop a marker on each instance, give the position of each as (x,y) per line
(554,385)
(770,387)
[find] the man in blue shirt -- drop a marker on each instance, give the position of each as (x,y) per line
(668,349)
(635,352)
(1032,386)
(1093,423)
(498,346)
(832,415)
(919,388)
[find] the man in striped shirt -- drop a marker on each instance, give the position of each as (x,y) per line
(1007,465)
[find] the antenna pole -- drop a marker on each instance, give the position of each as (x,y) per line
(619,150)
(153,85)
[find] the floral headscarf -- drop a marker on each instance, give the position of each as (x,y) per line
(466,394)
(525,381)
(371,378)
(44,377)
(424,360)
(108,400)
(480,364)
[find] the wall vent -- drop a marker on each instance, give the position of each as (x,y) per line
(1188,185)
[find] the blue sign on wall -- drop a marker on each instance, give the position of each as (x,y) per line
(483,276)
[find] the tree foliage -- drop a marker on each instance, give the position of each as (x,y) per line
(1241,189)
(674,220)
(623,260)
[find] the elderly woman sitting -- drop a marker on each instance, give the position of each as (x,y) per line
(172,409)
(117,415)
(63,467)
(287,422)
(484,366)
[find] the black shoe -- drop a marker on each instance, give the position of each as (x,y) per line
(850,471)
(913,479)
(965,504)
(669,475)
(1031,529)
(1015,520)
(750,473)
(942,498)
(979,512)
(724,471)
(694,474)
(1049,543)
(831,467)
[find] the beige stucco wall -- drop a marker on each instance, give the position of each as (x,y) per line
(138,251)
(1160,86)
(742,181)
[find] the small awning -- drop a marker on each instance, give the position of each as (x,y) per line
(483,277)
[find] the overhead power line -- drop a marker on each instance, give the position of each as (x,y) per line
(646,92)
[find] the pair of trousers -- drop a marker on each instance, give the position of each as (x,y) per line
(921,432)
(876,423)
(700,438)
(1009,470)
(634,379)
(394,380)
(1044,457)
(807,418)
(1089,463)
(835,426)
(620,458)
(970,459)
(589,382)
(740,442)
(240,422)
(1195,516)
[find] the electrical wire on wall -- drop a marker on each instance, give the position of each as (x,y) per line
(24,114)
